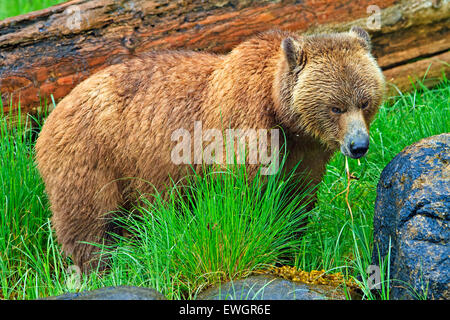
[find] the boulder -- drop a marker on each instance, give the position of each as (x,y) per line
(268,287)
(113,293)
(412,211)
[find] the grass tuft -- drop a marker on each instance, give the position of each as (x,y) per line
(214,228)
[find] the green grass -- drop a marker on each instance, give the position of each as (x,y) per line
(224,229)
(214,227)
(11,8)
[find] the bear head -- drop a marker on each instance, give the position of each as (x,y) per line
(331,87)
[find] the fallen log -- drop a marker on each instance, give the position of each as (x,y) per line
(49,52)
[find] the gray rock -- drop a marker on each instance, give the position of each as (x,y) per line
(113,293)
(412,210)
(266,287)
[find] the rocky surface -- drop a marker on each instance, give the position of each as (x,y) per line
(259,287)
(113,293)
(412,211)
(267,287)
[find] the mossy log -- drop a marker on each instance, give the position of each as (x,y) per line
(49,52)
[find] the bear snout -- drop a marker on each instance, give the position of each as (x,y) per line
(356,144)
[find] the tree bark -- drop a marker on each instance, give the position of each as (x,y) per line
(49,52)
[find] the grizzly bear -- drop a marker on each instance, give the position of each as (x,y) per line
(113,133)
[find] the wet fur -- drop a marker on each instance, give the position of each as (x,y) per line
(118,123)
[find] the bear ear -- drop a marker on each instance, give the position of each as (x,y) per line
(362,35)
(295,56)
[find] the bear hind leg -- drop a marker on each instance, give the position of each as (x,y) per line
(83,219)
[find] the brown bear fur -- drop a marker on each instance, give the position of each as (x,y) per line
(112,133)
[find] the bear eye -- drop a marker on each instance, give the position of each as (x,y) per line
(336,110)
(364,105)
